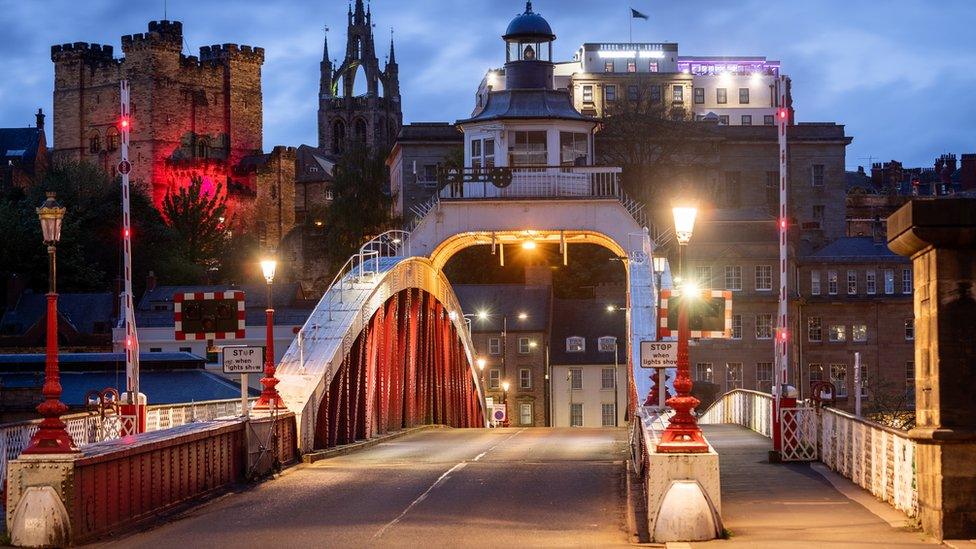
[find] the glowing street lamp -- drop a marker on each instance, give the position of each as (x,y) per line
(523,316)
(683,434)
(481,364)
(51,436)
(270,399)
(529,245)
(505,386)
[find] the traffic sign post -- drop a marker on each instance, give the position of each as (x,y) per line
(244,360)
(659,355)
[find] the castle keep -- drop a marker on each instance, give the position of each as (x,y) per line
(191,116)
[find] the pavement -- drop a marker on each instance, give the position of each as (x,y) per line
(795,505)
(535,487)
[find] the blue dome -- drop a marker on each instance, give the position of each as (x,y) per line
(529,24)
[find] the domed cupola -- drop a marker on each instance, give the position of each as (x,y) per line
(528,55)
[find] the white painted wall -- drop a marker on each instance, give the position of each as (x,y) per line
(592,396)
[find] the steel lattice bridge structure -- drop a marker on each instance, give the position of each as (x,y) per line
(387,346)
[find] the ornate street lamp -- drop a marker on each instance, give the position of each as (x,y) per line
(683,434)
(51,437)
(270,398)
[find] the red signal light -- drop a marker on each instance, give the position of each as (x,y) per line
(782,113)
(124,123)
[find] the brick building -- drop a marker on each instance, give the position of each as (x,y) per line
(516,354)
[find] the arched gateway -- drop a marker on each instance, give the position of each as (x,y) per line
(387,346)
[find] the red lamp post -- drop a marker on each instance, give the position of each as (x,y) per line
(683,436)
(270,399)
(51,437)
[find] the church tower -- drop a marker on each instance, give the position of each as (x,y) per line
(373,118)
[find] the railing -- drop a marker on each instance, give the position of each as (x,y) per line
(531,182)
(875,457)
(750,409)
(89,428)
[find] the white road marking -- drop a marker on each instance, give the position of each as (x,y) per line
(440,479)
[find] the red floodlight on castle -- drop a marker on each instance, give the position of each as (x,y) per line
(209,315)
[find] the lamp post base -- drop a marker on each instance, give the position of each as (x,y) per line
(682,441)
(51,438)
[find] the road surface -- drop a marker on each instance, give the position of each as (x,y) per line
(530,487)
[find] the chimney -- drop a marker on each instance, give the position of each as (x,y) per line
(150,281)
(967,175)
(39,118)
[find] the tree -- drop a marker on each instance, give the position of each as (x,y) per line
(199,222)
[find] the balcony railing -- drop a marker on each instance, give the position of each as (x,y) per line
(530,182)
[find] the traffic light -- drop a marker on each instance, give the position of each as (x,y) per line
(783,114)
(124,123)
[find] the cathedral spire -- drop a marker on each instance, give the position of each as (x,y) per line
(392,60)
(325,69)
(359,17)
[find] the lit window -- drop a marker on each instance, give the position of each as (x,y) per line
(631,66)
(910,329)
(525,378)
(576,379)
(764,277)
(736,326)
(859,333)
(764,326)
(818,175)
(906,281)
(587,94)
(815,329)
(575,344)
(703,371)
(889,281)
(871,279)
(678,94)
(832,282)
(815,282)
(733,278)
(494,378)
(608,66)
(652,66)
(608,378)
(851,282)
(494,346)
(838,333)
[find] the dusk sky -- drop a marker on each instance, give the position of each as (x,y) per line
(898,73)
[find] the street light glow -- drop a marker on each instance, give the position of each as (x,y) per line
(482,315)
(481,363)
(611,308)
(684,222)
(268,267)
(533,345)
(505,386)
(522,316)
(529,245)
(691,290)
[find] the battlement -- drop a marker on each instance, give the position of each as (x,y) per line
(168,33)
(221,52)
(82,50)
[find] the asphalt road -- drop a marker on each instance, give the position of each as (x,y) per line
(529,487)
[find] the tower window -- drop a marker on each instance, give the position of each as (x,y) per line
(94,142)
(338,136)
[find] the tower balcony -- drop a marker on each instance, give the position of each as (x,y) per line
(531,182)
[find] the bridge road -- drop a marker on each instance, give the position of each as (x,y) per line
(437,488)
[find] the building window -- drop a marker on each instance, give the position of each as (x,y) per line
(816,372)
(859,333)
(94,142)
(476,153)
(608,66)
(494,346)
(721,96)
(703,275)
(155,349)
(525,413)
(655,93)
(733,278)
(910,376)
(703,371)
(112,139)
(910,329)
(736,326)
(610,93)
(489,153)
(633,95)
(609,414)
(838,376)
(186,349)
(851,282)
(494,378)
(818,175)
(678,94)
(764,326)
(631,66)
(575,344)
(746,119)
(837,333)
(587,94)
(529,149)
(815,282)
(723,120)
(606,344)
(764,277)
(573,147)
(832,282)
(818,212)
(764,377)
(699,96)
(889,281)
(525,378)
(906,281)
(652,66)
(815,329)
(743,96)
(608,378)
(576,379)
(576,414)
(871,279)
(733,376)
(768,120)
(524,345)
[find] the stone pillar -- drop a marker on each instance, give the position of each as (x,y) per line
(940,237)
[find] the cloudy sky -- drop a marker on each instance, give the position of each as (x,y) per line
(898,73)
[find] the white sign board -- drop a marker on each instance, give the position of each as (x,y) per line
(498,413)
(659,354)
(243,360)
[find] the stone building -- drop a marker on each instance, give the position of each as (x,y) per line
(372,119)
(510,326)
(421,149)
(23,155)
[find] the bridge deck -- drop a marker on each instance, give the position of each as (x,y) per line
(793,505)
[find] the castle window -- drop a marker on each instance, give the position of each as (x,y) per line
(338,136)
(202,148)
(94,142)
(112,139)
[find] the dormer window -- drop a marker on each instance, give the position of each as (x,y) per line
(607,344)
(575,344)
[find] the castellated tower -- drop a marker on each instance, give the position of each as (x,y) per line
(373,119)
(191,116)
